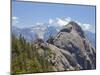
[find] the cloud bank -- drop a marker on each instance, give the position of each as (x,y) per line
(60,22)
(15,20)
(64,21)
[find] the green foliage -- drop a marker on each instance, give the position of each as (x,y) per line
(26,59)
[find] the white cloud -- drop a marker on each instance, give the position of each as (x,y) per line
(15,20)
(87,27)
(51,21)
(64,21)
(68,19)
(79,23)
(39,23)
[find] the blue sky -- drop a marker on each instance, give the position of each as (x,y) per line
(29,13)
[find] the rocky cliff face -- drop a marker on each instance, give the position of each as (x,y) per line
(68,50)
(72,39)
(60,59)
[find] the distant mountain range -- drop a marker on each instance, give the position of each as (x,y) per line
(44,32)
(38,31)
(27,33)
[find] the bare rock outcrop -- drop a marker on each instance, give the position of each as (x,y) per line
(72,39)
